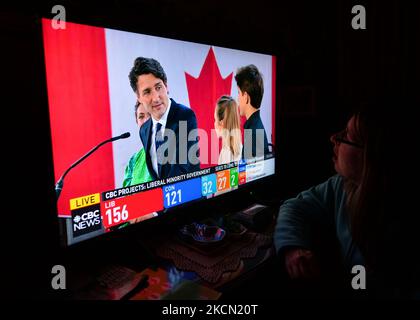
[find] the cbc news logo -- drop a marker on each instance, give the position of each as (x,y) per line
(86,220)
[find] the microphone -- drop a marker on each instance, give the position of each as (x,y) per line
(123,136)
(60,182)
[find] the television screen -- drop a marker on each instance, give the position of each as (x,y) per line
(196,115)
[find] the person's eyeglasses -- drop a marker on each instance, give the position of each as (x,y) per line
(340,138)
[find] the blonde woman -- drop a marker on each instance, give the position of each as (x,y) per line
(226,123)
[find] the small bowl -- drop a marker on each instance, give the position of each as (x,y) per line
(203,233)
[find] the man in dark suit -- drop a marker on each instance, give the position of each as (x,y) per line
(250,94)
(170,136)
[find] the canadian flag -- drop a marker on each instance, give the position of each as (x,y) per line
(90,98)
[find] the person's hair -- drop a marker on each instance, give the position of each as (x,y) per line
(380,219)
(136,107)
(250,80)
(146,66)
(227,111)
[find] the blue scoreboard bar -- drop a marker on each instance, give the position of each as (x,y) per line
(181,192)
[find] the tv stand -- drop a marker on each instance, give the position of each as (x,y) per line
(138,253)
(219,266)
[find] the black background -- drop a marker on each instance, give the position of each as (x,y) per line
(325,68)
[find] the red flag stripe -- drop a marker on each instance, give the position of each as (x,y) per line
(78,95)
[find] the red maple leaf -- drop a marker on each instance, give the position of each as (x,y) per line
(203,93)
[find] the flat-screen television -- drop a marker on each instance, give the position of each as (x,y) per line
(92,98)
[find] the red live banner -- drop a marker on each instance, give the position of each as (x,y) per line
(124,209)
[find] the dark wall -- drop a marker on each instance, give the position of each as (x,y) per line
(325,68)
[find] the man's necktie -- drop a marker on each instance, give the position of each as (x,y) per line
(158,143)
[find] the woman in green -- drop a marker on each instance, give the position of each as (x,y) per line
(136,171)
